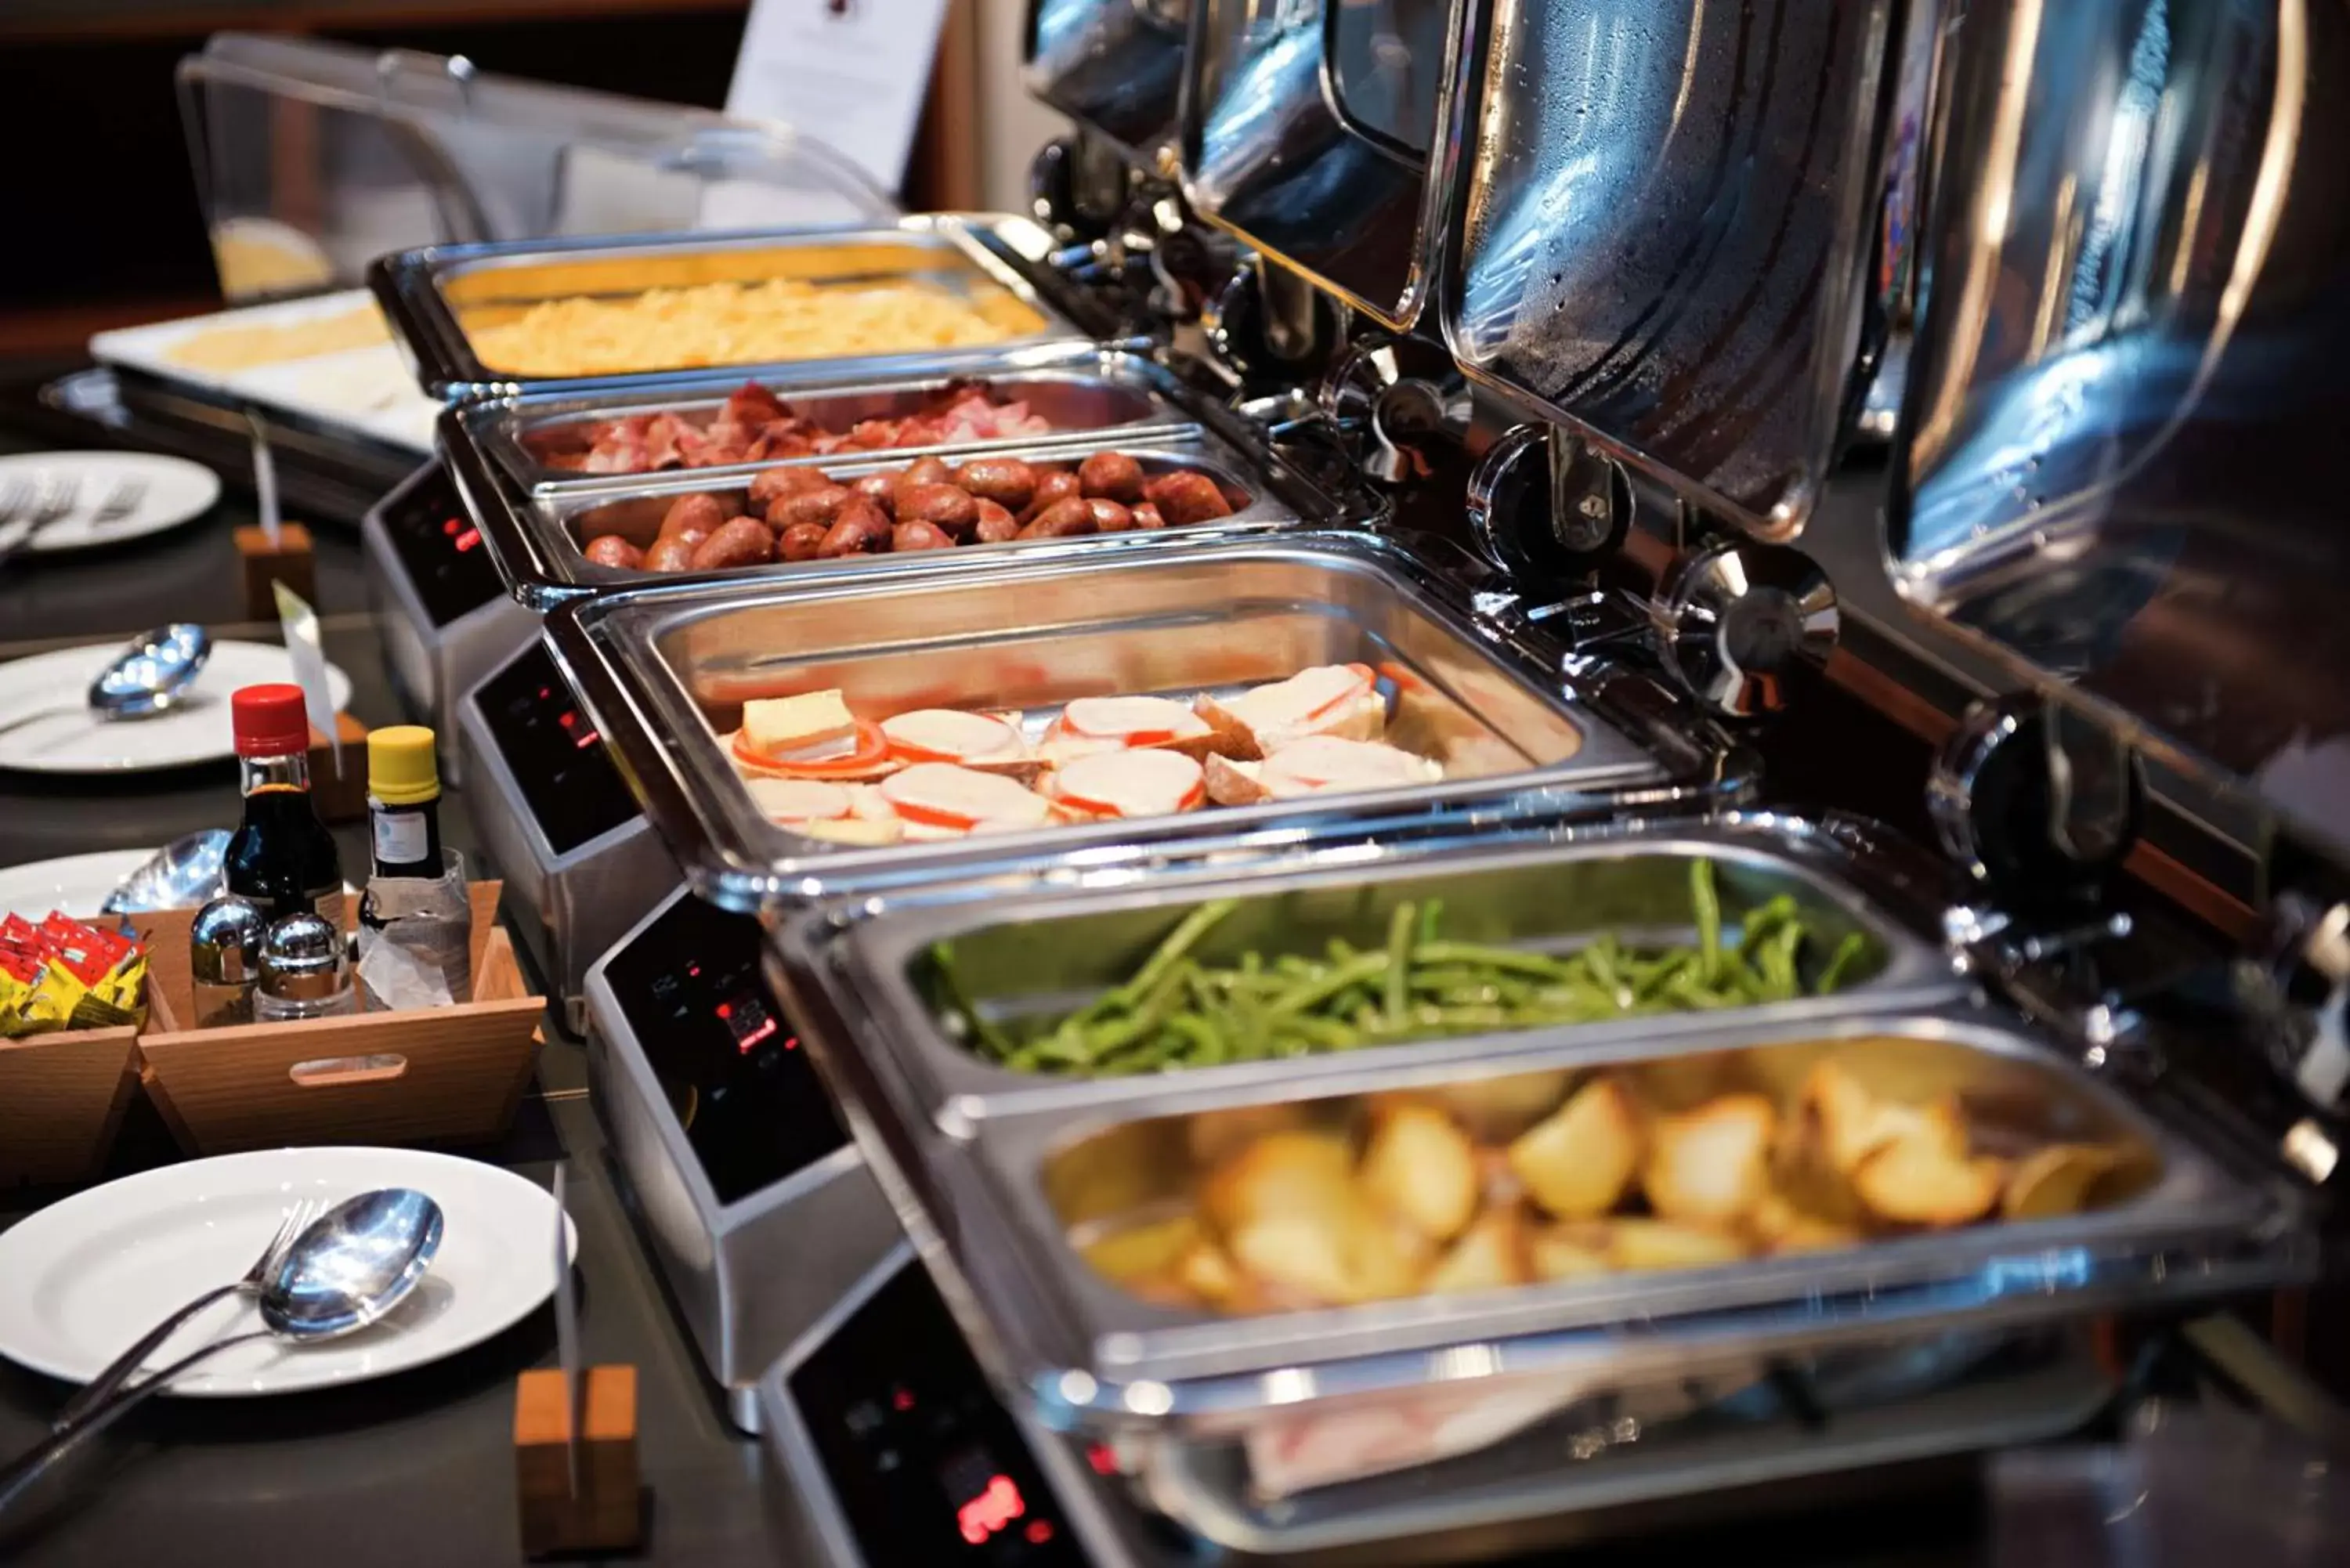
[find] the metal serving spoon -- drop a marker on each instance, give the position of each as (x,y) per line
(147,678)
(352,1265)
(184,872)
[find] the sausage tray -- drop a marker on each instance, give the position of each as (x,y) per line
(537,523)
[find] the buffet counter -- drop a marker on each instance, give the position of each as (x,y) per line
(420,1468)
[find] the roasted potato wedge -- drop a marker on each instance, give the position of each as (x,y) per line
(2056,1181)
(1297,1255)
(1287,1174)
(1576,1162)
(1499,1109)
(1779,1224)
(1133,1251)
(1490,1254)
(1208,1273)
(1920,1181)
(1711,1165)
(1569,1252)
(1420,1167)
(1665,1245)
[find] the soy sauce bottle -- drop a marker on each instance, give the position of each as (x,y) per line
(281,856)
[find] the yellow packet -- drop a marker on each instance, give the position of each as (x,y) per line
(118,998)
(51,1003)
(13,995)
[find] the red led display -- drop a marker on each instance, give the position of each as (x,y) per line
(998,1505)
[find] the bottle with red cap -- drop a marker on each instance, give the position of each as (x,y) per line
(281,856)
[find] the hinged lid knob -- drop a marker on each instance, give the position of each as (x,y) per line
(2035,802)
(1543,505)
(1268,325)
(1395,400)
(1736,621)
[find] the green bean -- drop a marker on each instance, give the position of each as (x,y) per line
(1709,918)
(1515,960)
(1430,914)
(1778,960)
(1397,988)
(1179,941)
(1206,1040)
(1847,954)
(1322,987)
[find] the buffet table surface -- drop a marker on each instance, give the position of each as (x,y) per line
(418,1468)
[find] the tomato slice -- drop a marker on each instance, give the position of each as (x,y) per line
(933,816)
(871,751)
(1365,680)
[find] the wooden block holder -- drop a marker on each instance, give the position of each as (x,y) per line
(293,561)
(62,1097)
(339,797)
(606,1512)
(450,1075)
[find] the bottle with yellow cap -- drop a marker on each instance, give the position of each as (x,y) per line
(415,921)
(404,801)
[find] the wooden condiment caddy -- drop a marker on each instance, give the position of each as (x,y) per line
(62,1097)
(451,1075)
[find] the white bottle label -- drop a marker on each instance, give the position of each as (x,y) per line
(401,838)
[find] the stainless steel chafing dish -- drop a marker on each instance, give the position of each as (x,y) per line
(538,519)
(996,1186)
(664,670)
(431,294)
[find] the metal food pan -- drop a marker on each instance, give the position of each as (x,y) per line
(537,528)
(994,1214)
(664,671)
(432,295)
(1077,393)
(1044,954)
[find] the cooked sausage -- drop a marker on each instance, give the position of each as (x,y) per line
(668,553)
(881,488)
(1050,488)
(695,517)
(995,524)
(860,530)
(1111,476)
(1146,516)
(821,504)
(943,507)
(919,534)
(742,542)
(926,470)
(1187,496)
(772,485)
(611,550)
(802,541)
(1066,518)
(1109,517)
(1006,481)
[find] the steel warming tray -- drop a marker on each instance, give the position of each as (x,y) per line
(1047,956)
(432,295)
(999,1193)
(537,520)
(663,672)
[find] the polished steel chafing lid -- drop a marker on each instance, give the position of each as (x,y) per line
(1113,66)
(663,672)
(1662,227)
(2127,387)
(994,262)
(1310,131)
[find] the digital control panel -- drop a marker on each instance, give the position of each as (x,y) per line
(741,1086)
(928,1467)
(554,752)
(440,549)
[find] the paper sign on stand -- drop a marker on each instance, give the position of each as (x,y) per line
(849,73)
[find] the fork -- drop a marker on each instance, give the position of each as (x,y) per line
(56,499)
(121,501)
(101,1388)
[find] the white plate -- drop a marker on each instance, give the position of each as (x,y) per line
(75,741)
(77,883)
(89,1275)
(369,391)
(177,491)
